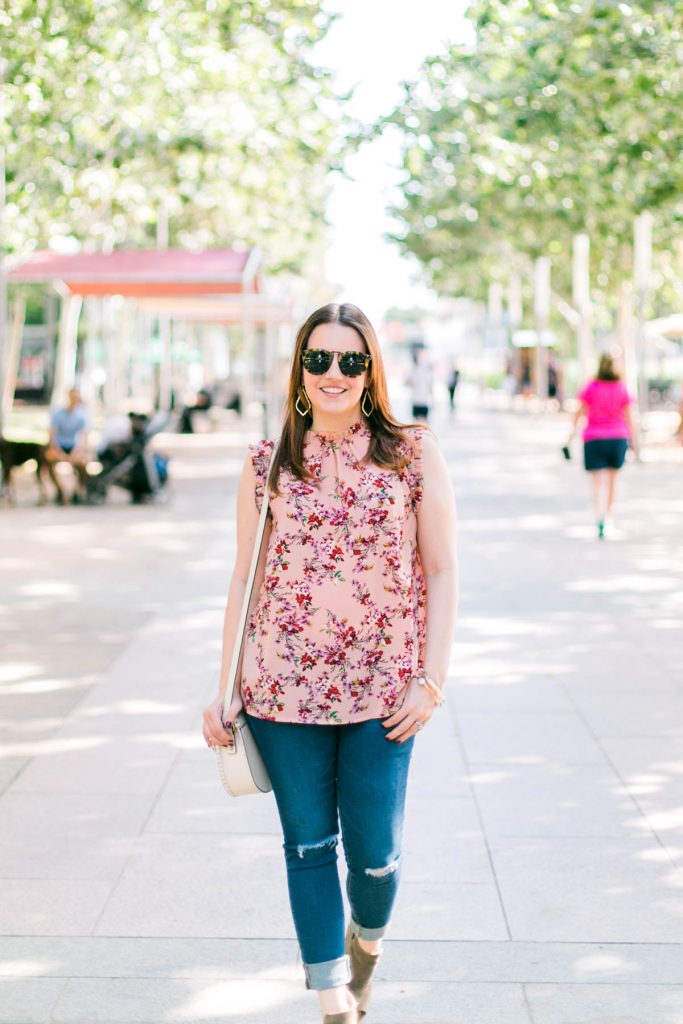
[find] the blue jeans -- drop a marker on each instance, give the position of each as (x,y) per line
(323,775)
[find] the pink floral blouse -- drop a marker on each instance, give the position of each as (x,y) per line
(339,625)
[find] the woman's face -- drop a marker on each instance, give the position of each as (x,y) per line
(333,394)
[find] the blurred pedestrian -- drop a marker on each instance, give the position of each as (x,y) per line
(202,403)
(452,381)
(555,389)
(69,443)
(421,386)
(343,658)
(606,408)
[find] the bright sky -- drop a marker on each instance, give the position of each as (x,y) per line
(375,45)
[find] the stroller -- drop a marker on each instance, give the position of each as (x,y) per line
(129,464)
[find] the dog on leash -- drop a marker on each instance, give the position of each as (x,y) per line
(14,454)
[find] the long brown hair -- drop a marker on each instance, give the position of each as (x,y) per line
(387,433)
(606,368)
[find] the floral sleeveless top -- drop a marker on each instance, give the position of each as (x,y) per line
(339,626)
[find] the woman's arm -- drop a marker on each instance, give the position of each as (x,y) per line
(247,524)
(581,413)
(436,542)
(437,549)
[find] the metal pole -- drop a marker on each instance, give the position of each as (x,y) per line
(542,312)
(3,279)
(582,303)
(515,311)
(642,268)
(165,359)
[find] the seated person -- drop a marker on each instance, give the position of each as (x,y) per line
(203,401)
(68,443)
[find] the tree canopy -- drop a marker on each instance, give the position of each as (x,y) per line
(561,118)
(210,109)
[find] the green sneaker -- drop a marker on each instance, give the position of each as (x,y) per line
(601,529)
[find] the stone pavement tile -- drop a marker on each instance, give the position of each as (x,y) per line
(444,1003)
(147,1000)
(648,713)
(38,906)
(589,889)
(28,1000)
(652,771)
(617,680)
(605,1004)
(24,957)
(485,695)
(443,839)
(639,758)
(526,738)
(89,838)
(203,885)
(95,762)
(548,962)
(10,767)
(143,1001)
(193,800)
(23,704)
(555,800)
(124,957)
(458,910)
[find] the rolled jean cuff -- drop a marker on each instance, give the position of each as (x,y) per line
(328,974)
(369,934)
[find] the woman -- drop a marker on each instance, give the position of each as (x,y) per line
(606,407)
(349,640)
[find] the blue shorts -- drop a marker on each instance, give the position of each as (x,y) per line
(605,453)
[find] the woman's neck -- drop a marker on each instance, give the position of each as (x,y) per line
(327,424)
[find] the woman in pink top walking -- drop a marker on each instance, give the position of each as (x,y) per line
(606,407)
(348,642)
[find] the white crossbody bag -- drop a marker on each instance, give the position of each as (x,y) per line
(240,767)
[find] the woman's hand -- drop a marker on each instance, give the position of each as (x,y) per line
(416,710)
(213,729)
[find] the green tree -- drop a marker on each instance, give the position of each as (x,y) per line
(561,118)
(209,108)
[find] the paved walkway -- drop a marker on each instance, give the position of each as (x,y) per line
(543,878)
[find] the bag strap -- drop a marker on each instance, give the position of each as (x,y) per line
(236,660)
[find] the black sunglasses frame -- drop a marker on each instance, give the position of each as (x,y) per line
(367,359)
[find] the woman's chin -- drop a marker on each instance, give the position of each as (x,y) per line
(329,406)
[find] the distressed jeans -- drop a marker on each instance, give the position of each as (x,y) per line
(324,776)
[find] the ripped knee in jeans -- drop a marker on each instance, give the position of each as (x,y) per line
(304,848)
(389,869)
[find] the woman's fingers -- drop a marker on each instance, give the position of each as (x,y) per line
(403,724)
(214,730)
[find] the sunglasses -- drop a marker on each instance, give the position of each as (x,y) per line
(319,360)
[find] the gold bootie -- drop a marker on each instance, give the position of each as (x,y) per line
(348,1017)
(363,966)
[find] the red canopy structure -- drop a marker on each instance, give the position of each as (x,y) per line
(148,276)
(144,273)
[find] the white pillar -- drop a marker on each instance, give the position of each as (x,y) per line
(626,330)
(642,269)
(3,279)
(272,384)
(542,313)
(515,309)
(13,353)
(582,303)
(65,363)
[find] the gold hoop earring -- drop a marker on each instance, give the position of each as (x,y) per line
(303,412)
(367,412)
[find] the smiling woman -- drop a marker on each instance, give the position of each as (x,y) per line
(351,629)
